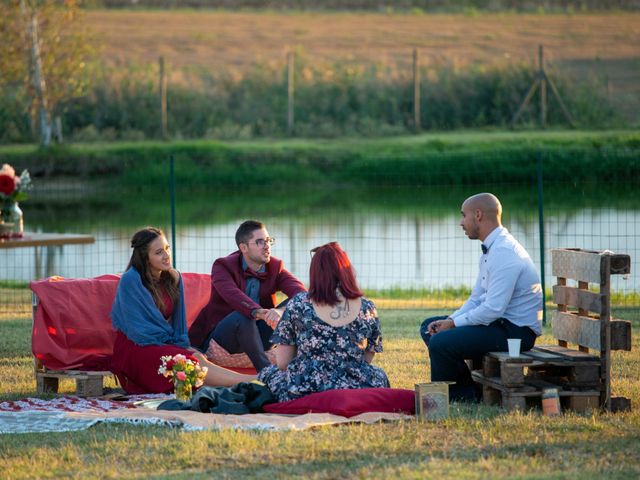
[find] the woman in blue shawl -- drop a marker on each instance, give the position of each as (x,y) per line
(150,318)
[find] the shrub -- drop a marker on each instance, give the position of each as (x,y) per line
(330,100)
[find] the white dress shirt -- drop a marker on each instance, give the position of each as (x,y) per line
(508,286)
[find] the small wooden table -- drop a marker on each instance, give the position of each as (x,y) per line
(48,240)
(45,240)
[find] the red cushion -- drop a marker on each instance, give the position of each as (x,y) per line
(72,323)
(348,403)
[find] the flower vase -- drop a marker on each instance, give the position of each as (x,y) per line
(183,391)
(11,213)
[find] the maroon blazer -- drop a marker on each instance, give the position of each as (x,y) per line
(227,293)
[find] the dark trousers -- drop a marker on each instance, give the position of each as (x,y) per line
(237,333)
(449,349)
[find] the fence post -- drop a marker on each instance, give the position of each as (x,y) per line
(416,90)
(163,99)
(290,92)
(541,228)
(541,81)
(543,88)
(172,188)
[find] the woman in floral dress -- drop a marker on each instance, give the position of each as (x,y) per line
(327,336)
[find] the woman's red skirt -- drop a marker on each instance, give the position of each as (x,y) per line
(137,367)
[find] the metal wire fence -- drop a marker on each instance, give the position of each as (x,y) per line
(402,236)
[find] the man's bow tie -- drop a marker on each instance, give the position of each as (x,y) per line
(248,273)
(484,248)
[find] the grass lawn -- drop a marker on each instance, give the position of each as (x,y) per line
(476,442)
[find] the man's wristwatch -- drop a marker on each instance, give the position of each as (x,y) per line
(254,312)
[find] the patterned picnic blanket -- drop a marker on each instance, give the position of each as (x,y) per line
(70,403)
(69,413)
(30,415)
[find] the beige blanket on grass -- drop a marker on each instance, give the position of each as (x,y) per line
(29,422)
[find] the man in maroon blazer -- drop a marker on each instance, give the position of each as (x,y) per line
(242,312)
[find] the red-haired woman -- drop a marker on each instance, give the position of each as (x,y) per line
(327,336)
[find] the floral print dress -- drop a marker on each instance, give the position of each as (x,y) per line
(327,357)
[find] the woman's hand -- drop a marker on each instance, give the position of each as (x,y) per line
(198,355)
(270,315)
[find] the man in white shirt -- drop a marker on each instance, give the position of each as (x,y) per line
(506,302)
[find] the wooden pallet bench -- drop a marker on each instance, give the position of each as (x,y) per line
(72,334)
(583,318)
(517,382)
(529,395)
(578,371)
(88,384)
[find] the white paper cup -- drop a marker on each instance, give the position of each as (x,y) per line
(514,347)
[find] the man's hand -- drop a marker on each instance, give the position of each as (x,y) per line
(270,315)
(440,325)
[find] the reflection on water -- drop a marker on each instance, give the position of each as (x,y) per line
(388,249)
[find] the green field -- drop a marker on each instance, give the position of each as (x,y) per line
(438,158)
(476,442)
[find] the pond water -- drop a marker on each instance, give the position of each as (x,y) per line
(395,241)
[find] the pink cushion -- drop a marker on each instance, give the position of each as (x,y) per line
(348,403)
(218,355)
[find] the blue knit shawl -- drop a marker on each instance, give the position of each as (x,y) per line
(136,315)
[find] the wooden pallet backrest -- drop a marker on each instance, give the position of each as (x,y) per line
(591,326)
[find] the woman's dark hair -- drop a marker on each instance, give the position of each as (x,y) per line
(331,270)
(140,261)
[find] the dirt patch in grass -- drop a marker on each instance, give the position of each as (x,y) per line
(235,39)
(600,45)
